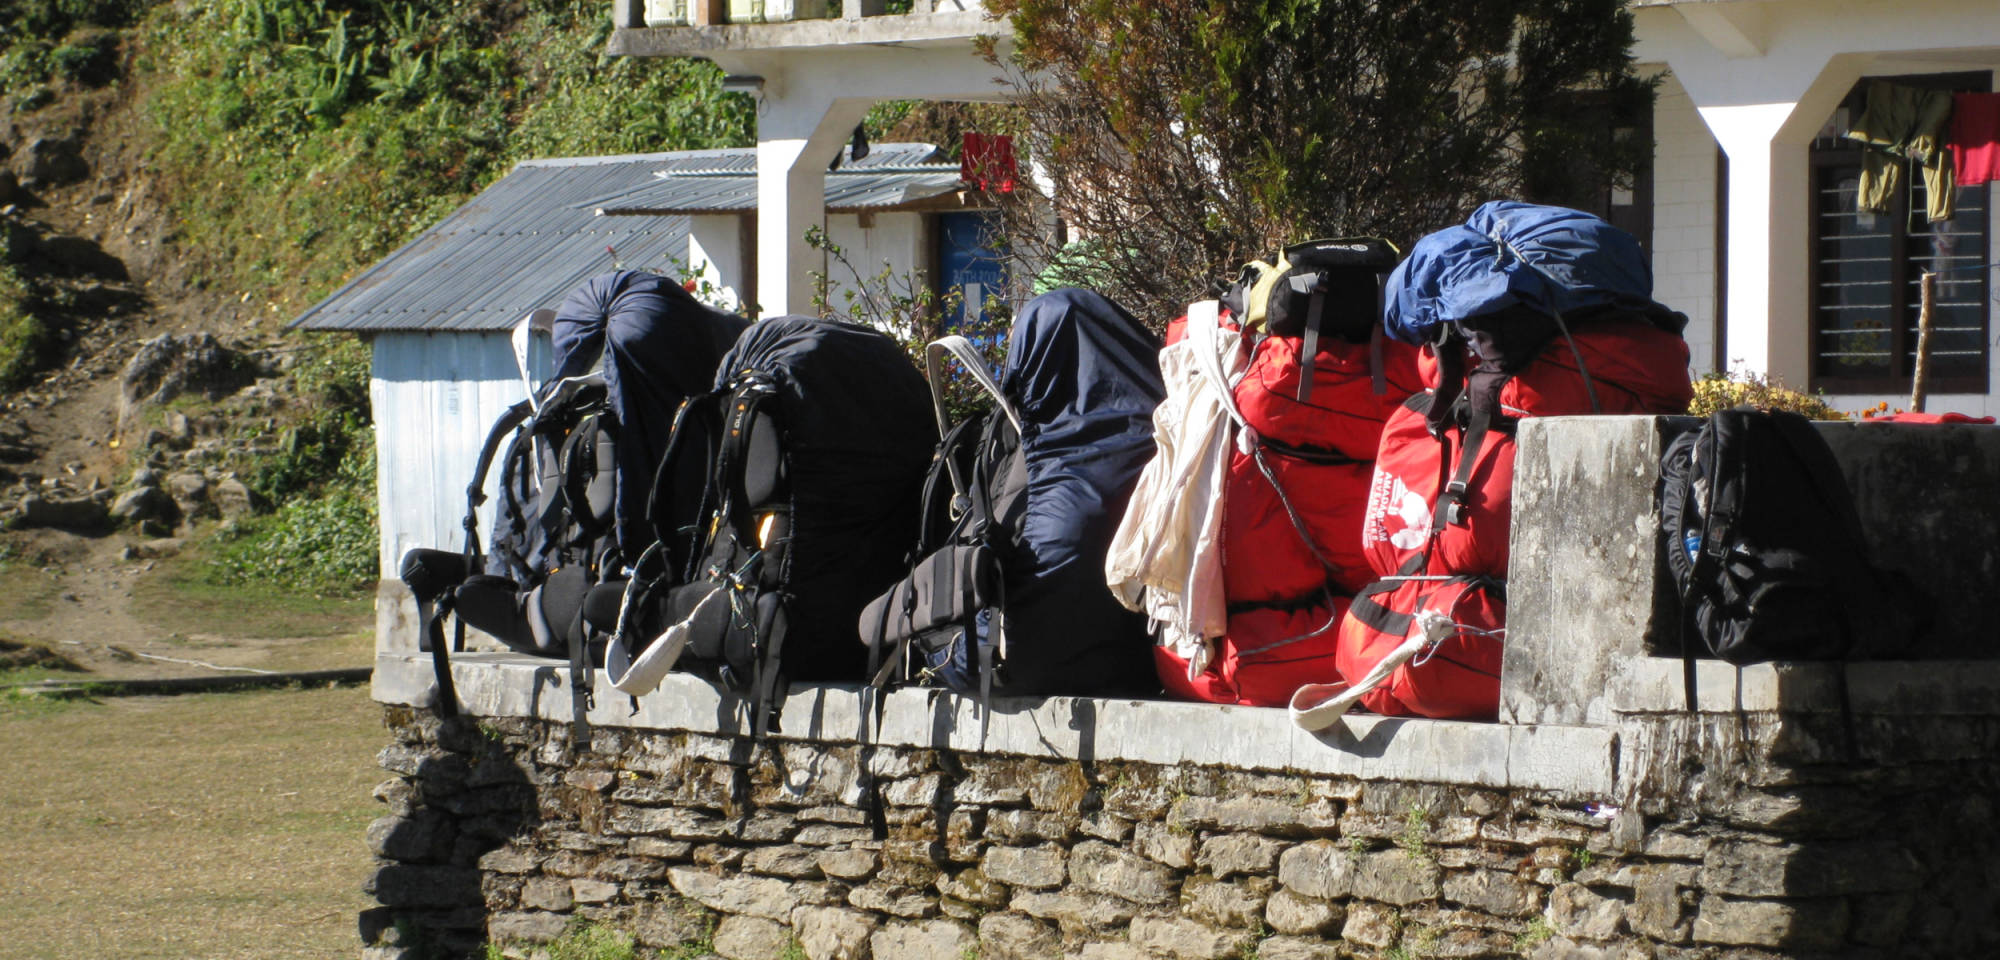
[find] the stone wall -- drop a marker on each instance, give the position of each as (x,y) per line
(1802,810)
(503,830)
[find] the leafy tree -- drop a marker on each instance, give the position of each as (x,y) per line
(1184,138)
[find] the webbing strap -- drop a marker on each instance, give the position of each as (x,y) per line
(447,692)
(1309,351)
(1376,372)
(475,492)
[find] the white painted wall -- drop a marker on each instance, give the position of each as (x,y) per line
(434,397)
(1684,216)
(896,240)
(715,258)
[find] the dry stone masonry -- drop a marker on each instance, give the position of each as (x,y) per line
(1599,819)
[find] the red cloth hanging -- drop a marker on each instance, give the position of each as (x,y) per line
(1975,137)
(986,161)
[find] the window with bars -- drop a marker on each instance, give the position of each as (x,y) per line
(1868,268)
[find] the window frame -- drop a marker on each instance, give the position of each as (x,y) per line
(1826,155)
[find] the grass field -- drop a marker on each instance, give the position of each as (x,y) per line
(214,826)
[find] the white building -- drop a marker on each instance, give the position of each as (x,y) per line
(1746,209)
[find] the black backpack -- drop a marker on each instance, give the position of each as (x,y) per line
(780,507)
(1006,590)
(1765,548)
(554,532)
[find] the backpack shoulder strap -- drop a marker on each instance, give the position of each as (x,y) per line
(475,492)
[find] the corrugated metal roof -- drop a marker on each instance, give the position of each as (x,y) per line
(531,237)
(848,190)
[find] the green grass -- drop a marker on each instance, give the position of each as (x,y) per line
(176,597)
(162,828)
(31,591)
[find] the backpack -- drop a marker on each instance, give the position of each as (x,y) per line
(628,346)
(1006,592)
(779,508)
(1765,549)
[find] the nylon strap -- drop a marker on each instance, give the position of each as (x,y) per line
(1309,352)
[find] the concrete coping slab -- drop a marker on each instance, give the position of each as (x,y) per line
(1572,761)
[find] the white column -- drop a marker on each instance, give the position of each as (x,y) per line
(1764,114)
(796,137)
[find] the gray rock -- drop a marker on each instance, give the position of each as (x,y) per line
(1272,815)
(547,893)
(831,933)
(1102,868)
(508,860)
(1574,911)
(751,896)
(668,923)
(409,839)
(586,890)
(626,869)
(897,901)
(1288,912)
(1807,924)
(1155,841)
(1318,869)
(929,940)
(1011,936)
(1225,904)
(525,927)
(1656,903)
(750,938)
(232,498)
(846,864)
(1295,948)
(157,549)
(1074,911)
(1185,939)
(1030,826)
(1370,924)
(141,504)
(1394,876)
(974,886)
(167,366)
(1490,891)
(1034,867)
(1238,853)
(412,885)
(798,863)
(50,161)
(1811,869)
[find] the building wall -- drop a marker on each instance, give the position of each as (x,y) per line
(1684,216)
(434,397)
(899,242)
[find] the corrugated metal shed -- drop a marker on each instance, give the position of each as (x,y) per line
(532,236)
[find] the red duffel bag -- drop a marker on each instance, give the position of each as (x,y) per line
(1454,676)
(1264,557)
(1268,653)
(1635,367)
(1402,494)
(1342,414)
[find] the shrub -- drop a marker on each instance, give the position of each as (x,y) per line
(27,344)
(325,546)
(1716,391)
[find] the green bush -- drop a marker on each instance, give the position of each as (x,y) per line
(27,344)
(1717,391)
(325,546)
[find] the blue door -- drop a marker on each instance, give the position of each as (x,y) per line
(971,262)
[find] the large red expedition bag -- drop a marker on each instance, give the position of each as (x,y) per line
(1269,653)
(1635,367)
(1458,678)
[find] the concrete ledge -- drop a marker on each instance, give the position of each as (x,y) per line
(1567,760)
(1876,688)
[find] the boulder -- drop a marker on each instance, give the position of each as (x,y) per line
(141,504)
(47,161)
(167,366)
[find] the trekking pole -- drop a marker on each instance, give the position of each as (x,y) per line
(1927,293)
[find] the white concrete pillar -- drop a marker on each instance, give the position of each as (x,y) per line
(1766,128)
(796,137)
